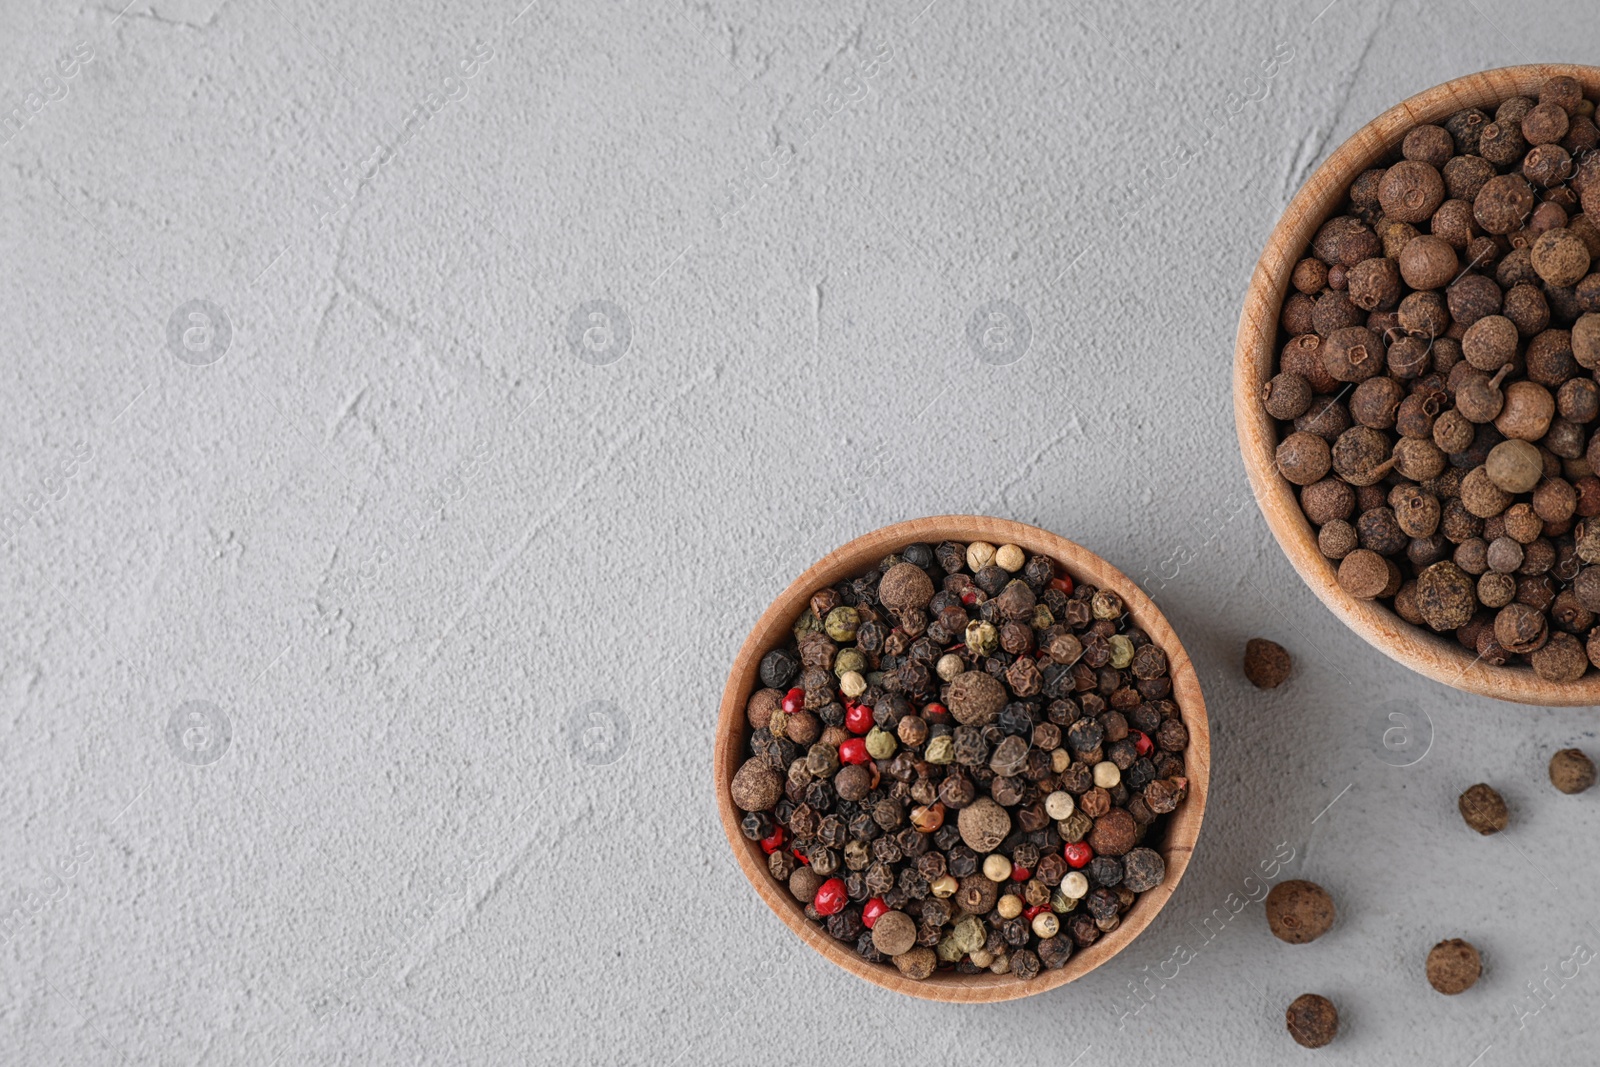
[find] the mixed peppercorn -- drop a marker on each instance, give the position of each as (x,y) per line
(1435,388)
(958,761)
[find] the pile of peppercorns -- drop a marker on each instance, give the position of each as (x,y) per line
(1435,389)
(955,762)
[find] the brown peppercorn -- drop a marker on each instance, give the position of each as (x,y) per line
(894,933)
(1361,456)
(1286,396)
(1527,411)
(1114,833)
(1266,663)
(1411,191)
(1363,574)
(1453,966)
(1445,596)
(1299,911)
(1545,124)
(1561,659)
(918,963)
(1312,1020)
(1352,354)
(1374,283)
(983,825)
(1560,257)
(756,786)
(1503,203)
(1571,771)
(975,698)
(1302,458)
(1483,809)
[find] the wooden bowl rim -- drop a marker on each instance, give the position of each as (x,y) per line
(856,556)
(1440,658)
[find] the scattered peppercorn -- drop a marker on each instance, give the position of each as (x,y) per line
(1433,395)
(1571,770)
(1266,663)
(1453,966)
(958,721)
(1312,1019)
(1299,911)
(1483,809)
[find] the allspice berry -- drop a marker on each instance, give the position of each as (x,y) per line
(1411,191)
(1483,809)
(759,709)
(1561,659)
(975,698)
(917,964)
(1266,663)
(1560,257)
(1445,596)
(756,787)
(1299,911)
(1428,262)
(983,825)
(1114,833)
(894,933)
(1515,466)
(1303,458)
(1571,770)
(1364,574)
(905,587)
(1503,203)
(804,883)
(1453,966)
(1312,1020)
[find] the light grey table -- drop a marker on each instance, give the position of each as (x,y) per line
(412,407)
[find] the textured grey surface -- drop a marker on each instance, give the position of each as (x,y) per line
(429,559)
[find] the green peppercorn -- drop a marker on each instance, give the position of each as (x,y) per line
(940,750)
(1121,651)
(849,659)
(880,743)
(841,623)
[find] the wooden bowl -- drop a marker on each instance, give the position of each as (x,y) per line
(1255,356)
(773,630)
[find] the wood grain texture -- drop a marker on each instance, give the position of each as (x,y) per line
(1255,356)
(773,629)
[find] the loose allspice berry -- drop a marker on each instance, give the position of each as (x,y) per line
(1484,809)
(1299,911)
(1571,770)
(1312,1020)
(1266,663)
(1453,966)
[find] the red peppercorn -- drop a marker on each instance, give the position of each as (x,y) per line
(831,897)
(1078,853)
(797,854)
(1063,583)
(1037,909)
(970,597)
(1020,874)
(857,718)
(794,700)
(871,910)
(936,713)
(1142,743)
(769,845)
(854,751)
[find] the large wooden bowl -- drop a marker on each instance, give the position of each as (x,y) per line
(1255,357)
(773,630)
